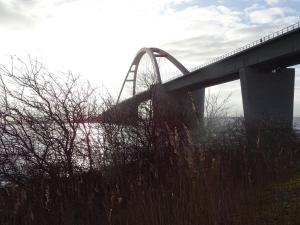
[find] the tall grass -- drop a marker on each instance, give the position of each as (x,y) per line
(150,172)
(168,182)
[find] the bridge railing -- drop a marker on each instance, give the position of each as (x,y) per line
(269,37)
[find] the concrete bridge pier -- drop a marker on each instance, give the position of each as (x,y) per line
(185,107)
(190,110)
(198,99)
(268,98)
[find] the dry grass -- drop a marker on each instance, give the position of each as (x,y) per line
(61,172)
(172,182)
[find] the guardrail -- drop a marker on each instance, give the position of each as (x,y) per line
(269,37)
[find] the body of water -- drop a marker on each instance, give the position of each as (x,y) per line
(296,124)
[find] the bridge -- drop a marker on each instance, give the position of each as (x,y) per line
(267,83)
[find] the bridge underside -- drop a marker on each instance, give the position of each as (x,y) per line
(268,98)
(188,107)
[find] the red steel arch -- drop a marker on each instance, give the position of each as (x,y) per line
(153,53)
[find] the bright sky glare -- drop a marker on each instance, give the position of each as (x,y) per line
(99,38)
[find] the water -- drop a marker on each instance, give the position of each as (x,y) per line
(296,124)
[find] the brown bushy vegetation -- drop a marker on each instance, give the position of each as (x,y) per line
(56,168)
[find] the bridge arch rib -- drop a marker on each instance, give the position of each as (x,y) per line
(153,53)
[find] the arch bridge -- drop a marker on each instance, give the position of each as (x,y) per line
(267,83)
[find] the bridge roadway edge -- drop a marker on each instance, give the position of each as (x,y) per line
(280,52)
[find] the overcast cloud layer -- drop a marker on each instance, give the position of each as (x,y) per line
(99,39)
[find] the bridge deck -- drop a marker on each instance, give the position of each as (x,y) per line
(272,53)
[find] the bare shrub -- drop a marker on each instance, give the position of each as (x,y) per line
(41,122)
(62,163)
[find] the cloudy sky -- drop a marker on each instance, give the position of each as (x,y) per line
(99,38)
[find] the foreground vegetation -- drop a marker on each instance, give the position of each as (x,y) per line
(57,167)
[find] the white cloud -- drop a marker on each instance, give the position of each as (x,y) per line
(12,16)
(267,15)
(274,2)
(214,30)
(202,33)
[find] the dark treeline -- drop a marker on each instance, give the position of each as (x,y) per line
(57,169)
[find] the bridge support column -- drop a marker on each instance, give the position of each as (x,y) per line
(198,99)
(268,98)
(190,110)
(185,107)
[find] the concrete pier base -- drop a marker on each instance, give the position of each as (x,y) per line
(268,98)
(187,108)
(190,110)
(190,107)
(198,99)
